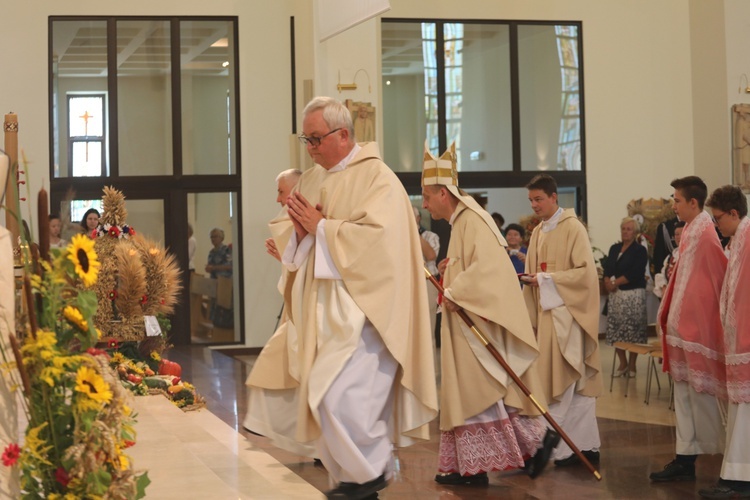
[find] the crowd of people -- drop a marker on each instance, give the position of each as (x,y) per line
(350,372)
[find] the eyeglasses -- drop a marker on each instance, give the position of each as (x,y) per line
(717,219)
(315,141)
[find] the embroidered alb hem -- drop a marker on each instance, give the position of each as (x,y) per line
(490,446)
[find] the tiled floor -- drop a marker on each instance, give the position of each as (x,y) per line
(636,439)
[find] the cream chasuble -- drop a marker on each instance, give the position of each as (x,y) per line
(481,279)
(373,242)
(565,253)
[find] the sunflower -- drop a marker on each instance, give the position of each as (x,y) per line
(81,253)
(73,315)
(89,382)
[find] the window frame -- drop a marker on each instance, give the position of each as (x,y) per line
(87,139)
(515,177)
(172,189)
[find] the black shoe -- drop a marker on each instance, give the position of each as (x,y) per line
(455,478)
(591,456)
(674,471)
(356,491)
(723,491)
(536,464)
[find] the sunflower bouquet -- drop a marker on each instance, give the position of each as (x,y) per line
(79,421)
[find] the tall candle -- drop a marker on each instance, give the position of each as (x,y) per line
(10,127)
(43,218)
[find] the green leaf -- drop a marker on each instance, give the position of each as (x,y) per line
(101,480)
(141,484)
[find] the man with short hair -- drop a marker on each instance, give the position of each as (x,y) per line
(562,296)
(692,334)
(355,369)
(729,209)
(485,419)
(285,182)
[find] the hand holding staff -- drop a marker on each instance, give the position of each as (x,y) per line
(518,381)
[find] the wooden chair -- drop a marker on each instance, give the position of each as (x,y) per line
(657,354)
(640,349)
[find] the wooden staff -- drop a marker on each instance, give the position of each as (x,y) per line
(495,354)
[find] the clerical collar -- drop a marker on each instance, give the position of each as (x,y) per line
(455,213)
(551,223)
(348,158)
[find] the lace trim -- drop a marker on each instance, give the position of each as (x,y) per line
(698,380)
(739,392)
(738,359)
(728,303)
(490,446)
(694,347)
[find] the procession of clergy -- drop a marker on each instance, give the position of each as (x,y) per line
(350,372)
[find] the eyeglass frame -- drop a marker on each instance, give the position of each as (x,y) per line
(315,141)
(717,219)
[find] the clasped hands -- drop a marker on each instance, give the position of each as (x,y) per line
(305,217)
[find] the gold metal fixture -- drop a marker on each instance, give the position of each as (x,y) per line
(353,85)
(746,88)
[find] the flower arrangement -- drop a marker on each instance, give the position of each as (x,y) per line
(145,372)
(138,277)
(529,223)
(79,420)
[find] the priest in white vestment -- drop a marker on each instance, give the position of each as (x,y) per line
(353,371)
(486,422)
(561,289)
(729,209)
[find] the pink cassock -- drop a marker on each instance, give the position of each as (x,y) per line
(735,315)
(692,334)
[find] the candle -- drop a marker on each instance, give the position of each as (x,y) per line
(10,127)
(43,218)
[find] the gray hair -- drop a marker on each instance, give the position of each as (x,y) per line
(217,230)
(292,173)
(636,224)
(335,114)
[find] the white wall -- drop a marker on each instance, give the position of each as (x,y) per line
(711,115)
